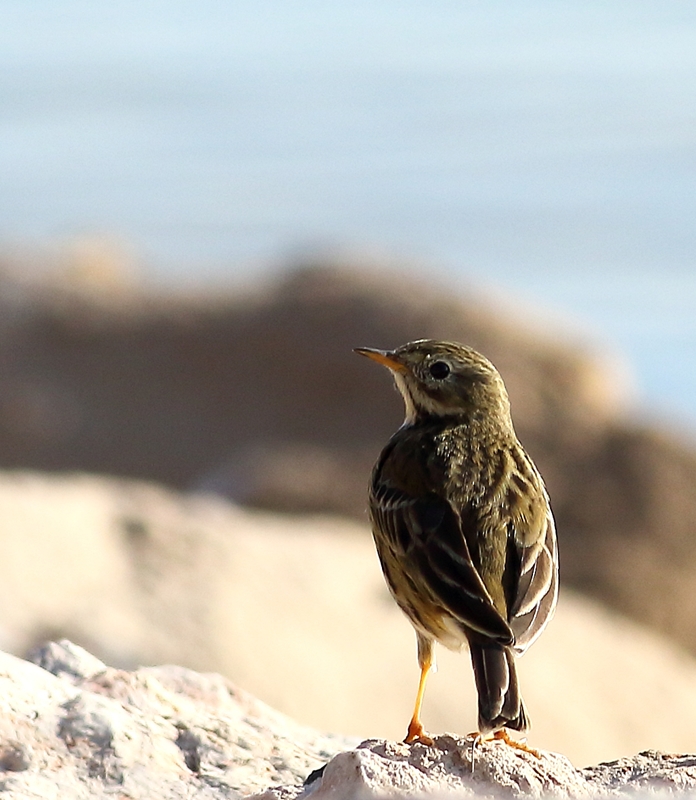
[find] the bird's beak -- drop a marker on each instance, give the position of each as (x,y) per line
(384,357)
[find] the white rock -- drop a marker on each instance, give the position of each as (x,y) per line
(91,731)
(163,733)
(381,769)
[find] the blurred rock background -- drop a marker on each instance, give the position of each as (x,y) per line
(255,396)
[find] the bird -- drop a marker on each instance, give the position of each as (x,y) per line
(463,526)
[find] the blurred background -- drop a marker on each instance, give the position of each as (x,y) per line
(204,207)
(547,148)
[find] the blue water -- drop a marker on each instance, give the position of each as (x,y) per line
(547,148)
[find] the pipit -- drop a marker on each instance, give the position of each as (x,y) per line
(462,524)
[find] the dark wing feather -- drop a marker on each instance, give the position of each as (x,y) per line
(425,536)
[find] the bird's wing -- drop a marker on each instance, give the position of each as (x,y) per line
(425,536)
(536,590)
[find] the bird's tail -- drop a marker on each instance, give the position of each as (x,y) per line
(499,700)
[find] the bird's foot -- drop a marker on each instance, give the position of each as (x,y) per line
(504,736)
(416,734)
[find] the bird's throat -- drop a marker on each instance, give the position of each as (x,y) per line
(409,404)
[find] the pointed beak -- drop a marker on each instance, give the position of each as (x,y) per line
(384,357)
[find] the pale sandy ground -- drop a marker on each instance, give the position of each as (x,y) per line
(295,611)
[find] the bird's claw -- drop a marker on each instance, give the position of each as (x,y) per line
(503,736)
(417,735)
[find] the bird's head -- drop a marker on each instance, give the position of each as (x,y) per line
(444,379)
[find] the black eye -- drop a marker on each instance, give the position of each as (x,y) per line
(439,370)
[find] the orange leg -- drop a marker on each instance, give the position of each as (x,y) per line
(416,732)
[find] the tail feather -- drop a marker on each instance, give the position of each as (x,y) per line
(499,700)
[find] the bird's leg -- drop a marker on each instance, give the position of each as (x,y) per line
(416,732)
(502,735)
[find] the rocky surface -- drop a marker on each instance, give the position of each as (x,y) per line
(72,728)
(256,394)
(295,610)
(75,728)
(456,767)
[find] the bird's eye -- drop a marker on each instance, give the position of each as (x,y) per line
(439,370)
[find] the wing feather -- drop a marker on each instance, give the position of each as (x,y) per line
(537,589)
(425,537)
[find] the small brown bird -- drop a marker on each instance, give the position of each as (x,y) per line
(462,524)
